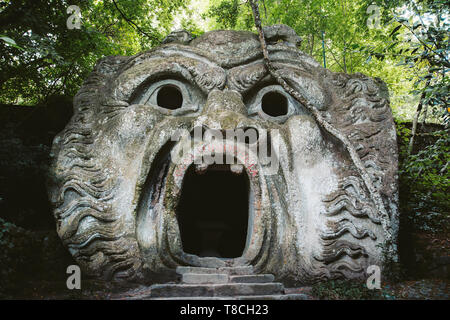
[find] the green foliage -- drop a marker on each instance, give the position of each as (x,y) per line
(425,185)
(393,270)
(9,42)
(56,60)
(16,247)
(29,256)
(419,41)
(346,290)
(225,13)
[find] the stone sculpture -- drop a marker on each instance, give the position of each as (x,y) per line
(127,211)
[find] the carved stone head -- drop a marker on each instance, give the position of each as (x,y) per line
(127,210)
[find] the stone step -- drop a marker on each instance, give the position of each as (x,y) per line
(255,278)
(214,290)
(204,278)
(245,270)
(193,278)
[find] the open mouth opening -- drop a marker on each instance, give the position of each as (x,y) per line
(213,211)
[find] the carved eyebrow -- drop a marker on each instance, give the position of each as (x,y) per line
(206,76)
(176,51)
(294,56)
(189,54)
(247,77)
(244,78)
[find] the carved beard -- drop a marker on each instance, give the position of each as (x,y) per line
(125,209)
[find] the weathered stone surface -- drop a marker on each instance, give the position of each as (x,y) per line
(115,186)
(195,275)
(226,270)
(191,278)
(256,278)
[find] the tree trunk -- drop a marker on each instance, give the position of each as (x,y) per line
(344,59)
(424,119)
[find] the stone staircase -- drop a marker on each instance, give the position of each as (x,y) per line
(235,283)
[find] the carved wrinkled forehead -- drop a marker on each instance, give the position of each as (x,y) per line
(229,47)
(217,60)
(233,48)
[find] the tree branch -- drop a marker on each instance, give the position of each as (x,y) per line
(444,60)
(134,25)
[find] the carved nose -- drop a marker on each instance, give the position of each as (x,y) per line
(225,112)
(227,100)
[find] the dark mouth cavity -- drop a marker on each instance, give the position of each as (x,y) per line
(213,212)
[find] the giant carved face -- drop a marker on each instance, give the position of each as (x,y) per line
(126,210)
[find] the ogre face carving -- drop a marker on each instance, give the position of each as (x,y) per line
(126,210)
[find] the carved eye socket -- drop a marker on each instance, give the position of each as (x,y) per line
(169,97)
(274,104)
(271,103)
